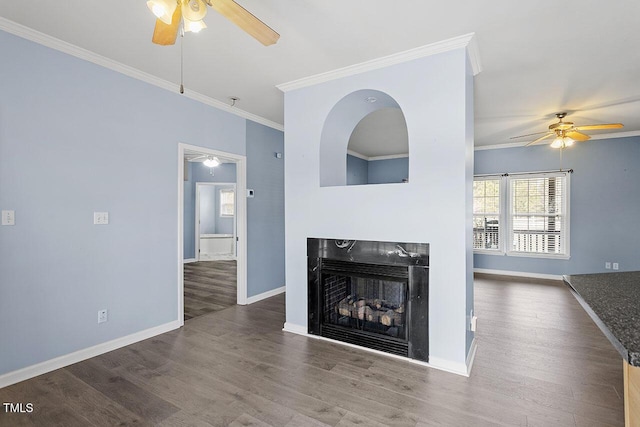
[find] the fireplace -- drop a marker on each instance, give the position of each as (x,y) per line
(371,294)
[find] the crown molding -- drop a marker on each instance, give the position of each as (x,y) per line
(614,135)
(390,157)
(465,41)
(358,155)
(367,158)
(73,50)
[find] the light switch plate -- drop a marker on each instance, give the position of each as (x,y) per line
(8,218)
(101,218)
(250,192)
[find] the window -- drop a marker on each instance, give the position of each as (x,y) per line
(227,202)
(522,214)
(486,214)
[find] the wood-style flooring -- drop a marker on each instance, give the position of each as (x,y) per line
(540,362)
(208,286)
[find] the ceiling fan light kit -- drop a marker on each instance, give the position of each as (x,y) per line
(566,133)
(193,26)
(163,9)
(192,12)
(562,142)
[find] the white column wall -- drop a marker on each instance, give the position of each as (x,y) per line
(432,207)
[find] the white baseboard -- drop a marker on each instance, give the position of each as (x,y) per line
(295,329)
(187,261)
(80,355)
(435,363)
(265,295)
(449,366)
(518,274)
(472,355)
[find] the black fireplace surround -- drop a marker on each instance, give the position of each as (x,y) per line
(371,294)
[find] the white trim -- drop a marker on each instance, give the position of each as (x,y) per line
(471,356)
(241,222)
(265,295)
(465,41)
(518,274)
(358,155)
(498,146)
(387,157)
(84,354)
(189,260)
(614,135)
(73,50)
(434,362)
(295,329)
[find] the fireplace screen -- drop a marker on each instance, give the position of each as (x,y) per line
(366,304)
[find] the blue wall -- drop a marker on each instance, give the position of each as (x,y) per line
(388,171)
(77,138)
(360,171)
(198,172)
(208,212)
(265,211)
(357,170)
(604,204)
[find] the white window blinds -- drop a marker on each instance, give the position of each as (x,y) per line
(538,214)
(522,214)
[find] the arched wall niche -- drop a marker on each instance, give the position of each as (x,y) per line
(353,137)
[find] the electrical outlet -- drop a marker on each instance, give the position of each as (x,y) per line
(101,218)
(102,316)
(616,266)
(607,265)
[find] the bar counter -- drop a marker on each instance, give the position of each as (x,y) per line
(613,302)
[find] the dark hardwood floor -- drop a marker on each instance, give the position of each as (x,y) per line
(540,362)
(208,286)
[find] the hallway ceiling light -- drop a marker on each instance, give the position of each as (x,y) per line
(212,162)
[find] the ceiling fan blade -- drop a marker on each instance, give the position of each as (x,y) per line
(164,34)
(603,126)
(577,136)
(529,134)
(245,20)
(549,134)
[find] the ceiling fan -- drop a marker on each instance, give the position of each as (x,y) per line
(171,13)
(566,133)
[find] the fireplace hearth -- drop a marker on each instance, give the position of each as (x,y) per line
(372,294)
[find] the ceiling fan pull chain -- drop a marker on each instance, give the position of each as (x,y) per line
(182,60)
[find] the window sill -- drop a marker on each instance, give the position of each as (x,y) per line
(488,252)
(537,255)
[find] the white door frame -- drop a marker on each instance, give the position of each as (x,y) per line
(197,210)
(241,222)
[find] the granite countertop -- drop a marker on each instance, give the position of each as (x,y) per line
(613,302)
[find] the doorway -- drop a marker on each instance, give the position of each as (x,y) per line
(222,274)
(215,221)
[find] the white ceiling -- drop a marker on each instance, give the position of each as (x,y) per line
(538,57)
(381,133)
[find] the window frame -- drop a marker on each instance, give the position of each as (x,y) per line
(499,250)
(233,205)
(506,215)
